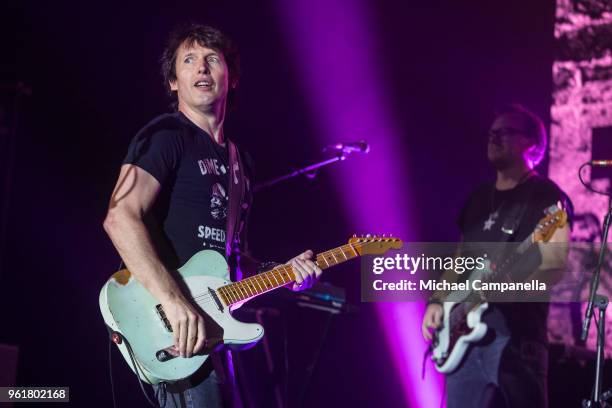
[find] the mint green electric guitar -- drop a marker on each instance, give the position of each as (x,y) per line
(144,335)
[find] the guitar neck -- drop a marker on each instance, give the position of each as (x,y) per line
(239,292)
(502,272)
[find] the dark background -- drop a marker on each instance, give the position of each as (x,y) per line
(94,73)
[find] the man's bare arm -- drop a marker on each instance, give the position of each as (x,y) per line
(554,257)
(134,195)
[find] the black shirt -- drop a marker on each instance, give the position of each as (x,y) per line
(481,220)
(190,213)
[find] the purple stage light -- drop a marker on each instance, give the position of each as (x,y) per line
(342,72)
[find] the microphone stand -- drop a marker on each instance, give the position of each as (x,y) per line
(601,303)
(341,155)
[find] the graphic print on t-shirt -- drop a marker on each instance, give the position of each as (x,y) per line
(214,236)
(211,166)
(218,202)
(490,221)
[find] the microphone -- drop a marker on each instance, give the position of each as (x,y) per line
(601,163)
(354,147)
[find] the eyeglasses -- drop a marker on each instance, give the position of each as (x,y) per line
(505,133)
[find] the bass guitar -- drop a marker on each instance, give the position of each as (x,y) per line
(462,322)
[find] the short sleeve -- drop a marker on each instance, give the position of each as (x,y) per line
(156,151)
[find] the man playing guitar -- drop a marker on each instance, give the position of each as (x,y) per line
(508,366)
(174,194)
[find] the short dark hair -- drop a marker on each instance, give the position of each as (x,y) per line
(534,129)
(205,36)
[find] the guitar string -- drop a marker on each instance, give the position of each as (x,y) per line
(456,316)
(323,255)
(204,299)
(240,289)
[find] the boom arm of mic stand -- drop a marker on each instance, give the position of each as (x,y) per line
(304,170)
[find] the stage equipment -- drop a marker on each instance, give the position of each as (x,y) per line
(343,150)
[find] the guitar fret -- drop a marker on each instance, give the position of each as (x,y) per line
(261,290)
(325,256)
(273,273)
(243,294)
(242,289)
(232,291)
(353,248)
(332,253)
(284,269)
(250,287)
(225,296)
(247,288)
(256,282)
(267,286)
(342,251)
(239,292)
(326,263)
(255,285)
(269,280)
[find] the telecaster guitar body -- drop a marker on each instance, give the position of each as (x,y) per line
(144,335)
(128,308)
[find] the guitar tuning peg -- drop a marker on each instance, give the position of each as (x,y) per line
(354,235)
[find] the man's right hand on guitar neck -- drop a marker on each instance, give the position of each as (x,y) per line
(432,320)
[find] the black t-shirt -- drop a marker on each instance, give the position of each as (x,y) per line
(190,213)
(481,220)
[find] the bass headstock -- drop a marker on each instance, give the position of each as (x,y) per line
(556,217)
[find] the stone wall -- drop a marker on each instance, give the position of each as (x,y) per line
(581,101)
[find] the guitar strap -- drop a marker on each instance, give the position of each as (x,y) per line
(237,189)
(513,220)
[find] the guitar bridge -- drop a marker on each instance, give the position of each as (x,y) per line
(162,316)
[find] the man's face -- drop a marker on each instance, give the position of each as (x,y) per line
(508,141)
(202,77)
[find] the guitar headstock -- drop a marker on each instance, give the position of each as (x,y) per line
(374,244)
(555,218)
